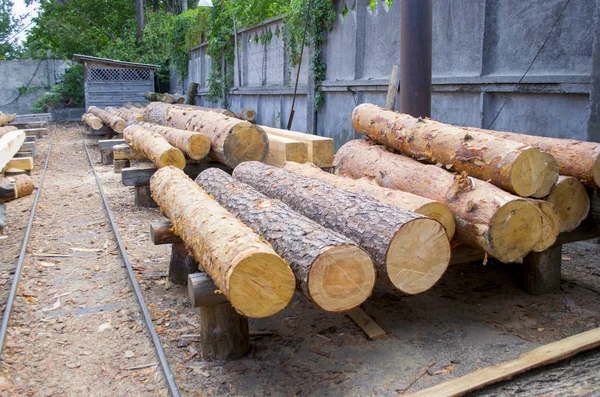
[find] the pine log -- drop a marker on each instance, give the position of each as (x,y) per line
(330,269)
(6,119)
(246,114)
(154,146)
(571,201)
(410,251)
(125,114)
(283,149)
(551,172)
(92,121)
(15,187)
(5,130)
(257,282)
(320,148)
(125,152)
(195,145)
(503,225)
(232,141)
(9,145)
(550,225)
(116,123)
(177,98)
(155,96)
(397,198)
(190,97)
(225,112)
(507,164)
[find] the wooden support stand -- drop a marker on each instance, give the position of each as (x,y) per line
(182,264)
(118,165)
(143,197)
(104,131)
(106,149)
(541,271)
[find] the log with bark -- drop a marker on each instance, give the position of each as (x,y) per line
(579,159)
(190,97)
(126,115)
(257,282)
(116,123)
(156,96)
(503,225)
(509,165)
(410,251)
(330,269)
(177,98)
(246,114)
(154,146)
(397,198)
(14,187)
(232,141)
(92,121)
(320,148)
(6,129)
(195,145)
(571,201)
(6,119)
(126,152)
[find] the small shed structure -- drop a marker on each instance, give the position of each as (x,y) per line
(108,82)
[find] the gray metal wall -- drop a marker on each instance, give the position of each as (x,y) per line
(481,49)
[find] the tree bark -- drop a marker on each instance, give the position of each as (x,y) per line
(116,123)
(195,145)
(571,201)
(6,118)
(509,165)
(92,121)
(503,225)
(155,96)
(257,282)
(154,146)
(15,187)
(397,198)
(191,93)
(330,269)
(246,114)
(232,141)
(125,114)
(409,250)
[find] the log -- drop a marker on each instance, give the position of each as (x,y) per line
(571,201)
(92,121)
(232,141)
(9,145)
(575,158)
(125,115)
(158,111)
(224,334)
(6,129)
(225,112)
(330,269)
(116,123)
(320,149)
(404,200)
(257,282)
(410,251)
(509,165)
(155,96)
(203,292)
(503,225)
(125,152)
(6,119)
(195,145)
(551,173)
(154,146)
(15,187)
(177,98)
(190,97)
(284,149)
(550,225)
(246,114)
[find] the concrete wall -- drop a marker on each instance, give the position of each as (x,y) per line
(481,49)
(14,75)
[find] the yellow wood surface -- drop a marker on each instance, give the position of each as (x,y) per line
(366,323)
(320,149)
(283,149)
(24,163)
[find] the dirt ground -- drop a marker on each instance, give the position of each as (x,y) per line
(475,316)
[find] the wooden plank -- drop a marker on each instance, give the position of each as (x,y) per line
(9,145)
(108,144)
(392,94)
(162,233)
(283,149)
(28,147)
(539,357)
(320,148)
(35,131)
(29,139)
(202,291)
(366,323)
(24,163)
(137,176)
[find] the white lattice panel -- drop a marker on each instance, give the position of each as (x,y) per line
(118,74)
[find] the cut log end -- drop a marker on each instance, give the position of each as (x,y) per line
(440,213)
(261,285)
(571,201)
(550,226)
(418,255)
(246,142)
(527,173)
(341,278)
(596,173)
(173,157)
(550,176)
(513,230)
(198,146)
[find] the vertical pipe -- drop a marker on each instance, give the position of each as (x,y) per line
(139,9)
(415,57)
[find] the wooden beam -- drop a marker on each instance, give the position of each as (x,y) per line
(141,176)
(9,145)
(392,94)
(366,323)
(539,357)
(35,131)
(181,265)
(24,163)
(29,147)
(143,197)
(108,144)
(283,149)
(162,233)
(320,148)
(203,292)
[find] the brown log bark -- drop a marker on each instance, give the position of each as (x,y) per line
(409,250)
(232,141)
(575,158)
(571,201)
(509,165)
(116,123)
(330,269)
(550,225)
(246,114)
(92,121)
(154,146)
(257,282)
(503,225)
(397,198)
(125,114)
(195,145)
(15,187)
(6,119)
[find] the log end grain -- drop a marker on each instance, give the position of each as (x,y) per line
(418,255)
(246,142)
(571,201)
(596,171)
(198,146)
(526,176)
(119,126)
(550,176)
(440,213)
(341,278)
(172,156)
(550,226)
(261,285)
(24,185)
(513,230)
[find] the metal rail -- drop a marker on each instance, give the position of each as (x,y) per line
(138,292)
(23,253)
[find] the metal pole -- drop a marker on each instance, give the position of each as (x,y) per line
(415,57)
(237,53)
(291,118)
(139,10)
